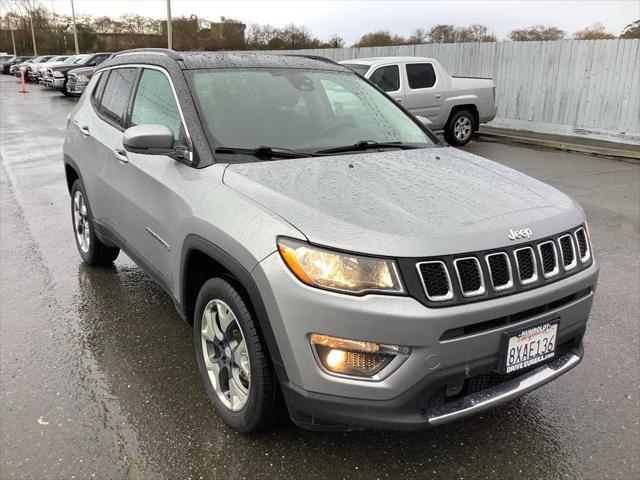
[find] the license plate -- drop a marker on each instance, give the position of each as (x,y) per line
(530,347)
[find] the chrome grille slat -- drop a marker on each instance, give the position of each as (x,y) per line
(434,276)
(568,252)
(470,276)
(548,258)
(525,261)
(499,265)
(584,250)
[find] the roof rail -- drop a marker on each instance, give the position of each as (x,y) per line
(167,51)
(312,57)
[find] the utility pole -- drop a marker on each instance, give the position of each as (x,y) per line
(33,34)
(169,39)
(75,31)
(13,40)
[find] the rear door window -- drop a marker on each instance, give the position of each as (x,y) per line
(155,102)
(421,75)
(387,78)
(117,91)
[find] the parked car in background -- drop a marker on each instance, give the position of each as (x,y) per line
(31,70)
(18,68)
(4,58)
(57,76)
(78,79)
(457,105)
(42,73)
(36,69)
(7,64)
(327,248)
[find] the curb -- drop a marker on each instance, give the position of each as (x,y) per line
(570,147)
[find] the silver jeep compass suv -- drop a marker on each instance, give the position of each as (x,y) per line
(329,251)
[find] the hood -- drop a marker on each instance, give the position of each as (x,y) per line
(88,71)
(411,203)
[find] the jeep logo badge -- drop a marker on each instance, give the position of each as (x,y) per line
(516,234)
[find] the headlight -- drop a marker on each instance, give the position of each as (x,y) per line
(58,74)
(343,272)
(82,78)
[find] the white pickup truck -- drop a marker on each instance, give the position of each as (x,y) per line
(457,105)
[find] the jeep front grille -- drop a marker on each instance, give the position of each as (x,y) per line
(483,275)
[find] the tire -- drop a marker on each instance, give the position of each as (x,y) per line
(220,304)
(460,128)
(91,249)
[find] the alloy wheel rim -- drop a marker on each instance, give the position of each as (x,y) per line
(81,222)
(462,128)
(225,354)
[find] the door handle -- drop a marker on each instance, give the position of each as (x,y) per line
(438,95)
(399,100)
(121,155)
(84,130)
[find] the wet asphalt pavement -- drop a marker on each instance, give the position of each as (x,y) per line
(99,380)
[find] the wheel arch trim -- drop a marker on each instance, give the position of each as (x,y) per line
(195,243)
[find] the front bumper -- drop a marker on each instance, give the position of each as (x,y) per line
(54,82)
(404,399)
(76,88)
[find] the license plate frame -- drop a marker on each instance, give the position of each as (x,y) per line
(549,327)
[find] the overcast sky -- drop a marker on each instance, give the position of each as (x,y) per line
(351,19)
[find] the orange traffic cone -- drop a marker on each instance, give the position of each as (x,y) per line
(23,83)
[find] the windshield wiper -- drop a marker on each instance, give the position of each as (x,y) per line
(368,145)
(263,151)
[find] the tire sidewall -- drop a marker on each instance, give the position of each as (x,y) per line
(449,134)
(248,417)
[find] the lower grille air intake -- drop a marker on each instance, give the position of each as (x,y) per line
(436,281)
(469,276)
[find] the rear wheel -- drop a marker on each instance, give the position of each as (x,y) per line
(232,360)
(460,128)
(91,249)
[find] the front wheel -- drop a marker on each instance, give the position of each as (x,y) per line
(460,128)
(232,360)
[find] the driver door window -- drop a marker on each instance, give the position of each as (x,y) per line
(155,103)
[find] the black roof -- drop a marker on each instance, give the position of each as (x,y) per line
(198,60)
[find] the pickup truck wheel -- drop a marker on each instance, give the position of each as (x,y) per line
(91,249)
(232,360)
(460,128)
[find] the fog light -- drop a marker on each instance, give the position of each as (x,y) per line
(353,357)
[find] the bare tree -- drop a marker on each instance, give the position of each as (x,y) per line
(536,33)
(443,34)
(418,36)
(595,31)
(379,39)
(632,30)
(335,41)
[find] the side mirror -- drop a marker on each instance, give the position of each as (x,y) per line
(149,139)
(424,120)
(92,64)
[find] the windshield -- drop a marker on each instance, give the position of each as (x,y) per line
(357,67)
(297,109)
(81,59)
